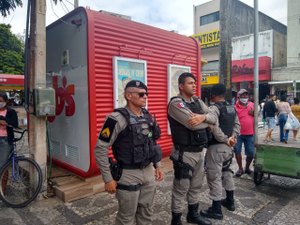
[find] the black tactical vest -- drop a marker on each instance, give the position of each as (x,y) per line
(135,145)
(226,119)
(183,136)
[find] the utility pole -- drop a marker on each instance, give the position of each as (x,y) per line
(37,74)
(256,66)
(76,3)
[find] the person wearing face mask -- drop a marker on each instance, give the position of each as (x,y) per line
(8,120)
(245,112)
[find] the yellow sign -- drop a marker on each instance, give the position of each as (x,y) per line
(210,78)
(208,39)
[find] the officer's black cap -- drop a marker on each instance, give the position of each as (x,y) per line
(218,90)
(136,84)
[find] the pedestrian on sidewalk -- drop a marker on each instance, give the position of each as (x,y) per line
(220,153)
(284,110)
(132,132)
(269,112)
(245,112)
(188,117)
(296,111)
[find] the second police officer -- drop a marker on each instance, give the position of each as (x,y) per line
(188,117)
(132,133)
(220,153)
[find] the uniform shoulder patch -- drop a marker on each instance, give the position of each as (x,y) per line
(180,105)
(107,129)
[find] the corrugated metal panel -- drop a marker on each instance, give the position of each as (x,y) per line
(114,36)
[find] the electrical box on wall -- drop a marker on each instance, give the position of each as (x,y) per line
(44,101)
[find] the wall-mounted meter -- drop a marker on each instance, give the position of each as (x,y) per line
(44,101)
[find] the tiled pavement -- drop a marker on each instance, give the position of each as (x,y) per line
(275,202)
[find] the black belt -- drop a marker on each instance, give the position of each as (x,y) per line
(189,148)
(129,187)
(134,166)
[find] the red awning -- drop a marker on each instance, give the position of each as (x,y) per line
(11,81)
(243,70)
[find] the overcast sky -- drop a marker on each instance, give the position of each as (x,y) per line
(166,14)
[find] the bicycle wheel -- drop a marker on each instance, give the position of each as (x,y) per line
(21,182)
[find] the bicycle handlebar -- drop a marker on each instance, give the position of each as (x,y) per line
(22,132)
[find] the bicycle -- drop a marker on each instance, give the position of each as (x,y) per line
(20,178)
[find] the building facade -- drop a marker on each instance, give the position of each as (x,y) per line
(229,18)
(271,52)
(286,80)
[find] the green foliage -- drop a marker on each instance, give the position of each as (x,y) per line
(7,5)
(11,51)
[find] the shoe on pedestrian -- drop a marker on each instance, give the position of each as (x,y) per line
(213,212)
(248,171)
(239,173)
(284,141)
(193,216)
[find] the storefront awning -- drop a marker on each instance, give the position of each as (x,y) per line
(283,82)
(11,82)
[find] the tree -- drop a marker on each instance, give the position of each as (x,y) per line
(11,51)
(7,5)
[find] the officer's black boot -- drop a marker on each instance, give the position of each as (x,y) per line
(228,202)
(176,219)
(193,216)
(214,212)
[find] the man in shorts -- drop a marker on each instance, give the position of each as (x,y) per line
(269,111)
(245,112)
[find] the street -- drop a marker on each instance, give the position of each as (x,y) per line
(275,201)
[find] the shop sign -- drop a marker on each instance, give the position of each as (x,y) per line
(208,39)
(243,70)
(209,78)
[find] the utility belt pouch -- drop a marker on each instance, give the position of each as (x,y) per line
(226,164)
(181,170)
(115,169)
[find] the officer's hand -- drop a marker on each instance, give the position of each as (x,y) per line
(159,174)
(111,187)
(231,141)
(196,119)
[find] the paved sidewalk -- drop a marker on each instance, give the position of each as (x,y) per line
(275,202)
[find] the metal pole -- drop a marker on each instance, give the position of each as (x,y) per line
(256,66)
(76,3)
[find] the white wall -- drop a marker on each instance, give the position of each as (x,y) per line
(242,47)
(293,34)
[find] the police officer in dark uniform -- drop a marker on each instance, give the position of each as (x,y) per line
(132,132)
(219,154)
(188,117)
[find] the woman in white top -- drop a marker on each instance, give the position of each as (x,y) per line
(284,109)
